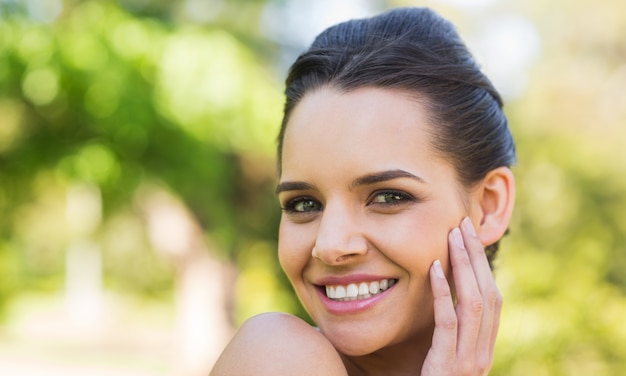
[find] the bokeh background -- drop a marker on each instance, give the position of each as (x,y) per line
(137,215)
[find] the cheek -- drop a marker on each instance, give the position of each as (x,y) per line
(292,251)
(413,241)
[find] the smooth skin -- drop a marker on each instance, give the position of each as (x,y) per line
(364,194)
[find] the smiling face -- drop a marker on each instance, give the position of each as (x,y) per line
(367,209)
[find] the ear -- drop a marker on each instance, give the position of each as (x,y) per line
(496,201)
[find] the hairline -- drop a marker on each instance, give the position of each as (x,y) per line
(413,94)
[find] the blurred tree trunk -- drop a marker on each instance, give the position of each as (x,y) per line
(83,259)
(203,301)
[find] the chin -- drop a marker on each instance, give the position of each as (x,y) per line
(350,344)
(356,349)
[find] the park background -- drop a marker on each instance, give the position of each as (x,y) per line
(138,220)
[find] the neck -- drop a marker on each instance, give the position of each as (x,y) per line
(405,358)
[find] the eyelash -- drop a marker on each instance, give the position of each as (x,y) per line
(399,199)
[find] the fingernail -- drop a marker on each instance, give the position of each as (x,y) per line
(438,269)
(468,226)
(457,238)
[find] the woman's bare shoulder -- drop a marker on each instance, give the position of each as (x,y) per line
(278,344)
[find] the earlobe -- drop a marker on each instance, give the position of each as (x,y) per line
(497,198)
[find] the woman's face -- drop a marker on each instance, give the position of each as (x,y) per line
(367,209)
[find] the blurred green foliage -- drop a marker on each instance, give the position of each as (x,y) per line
(128,96)
(121,101)
(563,269)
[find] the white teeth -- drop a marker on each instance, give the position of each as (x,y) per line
(374,287)
(352,291)
(340,292)
(355,291)
(364,289)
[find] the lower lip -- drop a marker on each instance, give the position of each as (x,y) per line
(351,306)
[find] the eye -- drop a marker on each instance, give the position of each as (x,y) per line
(390,198)
(302,205)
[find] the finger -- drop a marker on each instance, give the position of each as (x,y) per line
(469,306)
(494,327)
(444,343)
(492,300)
(478,257)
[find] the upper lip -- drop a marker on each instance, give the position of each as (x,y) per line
(348,279)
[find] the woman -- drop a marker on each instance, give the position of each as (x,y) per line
(394,158)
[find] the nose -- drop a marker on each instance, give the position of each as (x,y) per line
(340,238)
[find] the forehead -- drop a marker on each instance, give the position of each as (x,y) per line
(358,105)
(363,126)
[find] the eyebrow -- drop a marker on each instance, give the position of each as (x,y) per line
(379,177)
(369,179)
(293,186)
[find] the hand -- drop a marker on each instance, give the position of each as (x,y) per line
(465,335)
